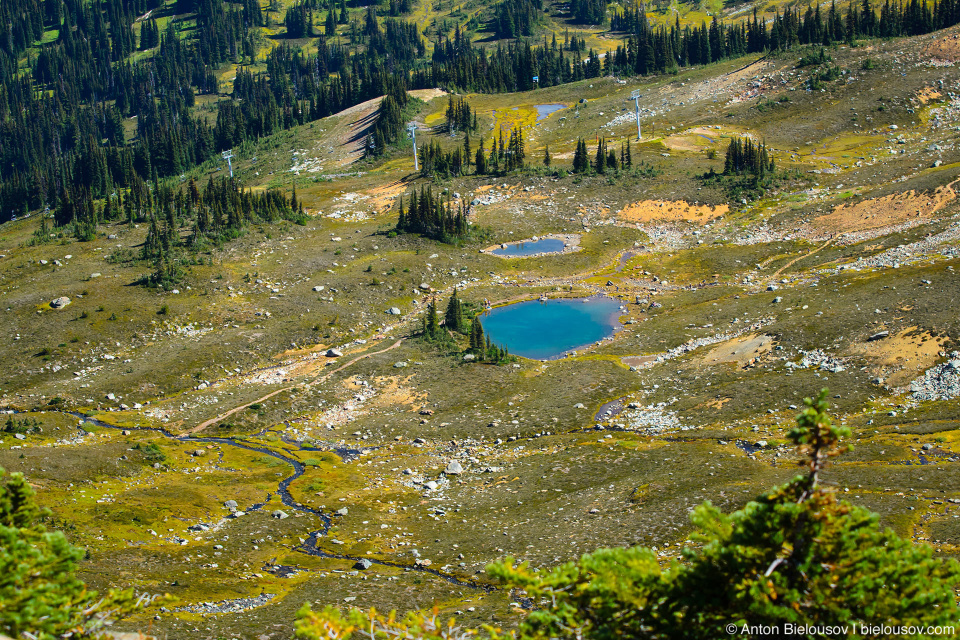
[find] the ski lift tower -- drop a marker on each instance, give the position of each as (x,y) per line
(228,156)
(412,130)
(635,96)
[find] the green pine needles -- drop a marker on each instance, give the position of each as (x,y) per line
(40,594)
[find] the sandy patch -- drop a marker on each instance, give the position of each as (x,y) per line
(427,94)
(638,361)
(740,351)
(946,48)
(927,94)
(692,140)
(394,390)
(882,212)
(382,198)
(670,211)
(716,403)
(901,357)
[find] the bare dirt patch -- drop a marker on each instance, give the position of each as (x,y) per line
(670,211)
(901,357)
(946,48)
(382,197)
(886,211)
(740,351)
(427,94)
(693,140)
(638,361)
(927,94)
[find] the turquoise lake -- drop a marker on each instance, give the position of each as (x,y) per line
(544,245)
(542,330)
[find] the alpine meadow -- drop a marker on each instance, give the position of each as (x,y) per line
(479,319)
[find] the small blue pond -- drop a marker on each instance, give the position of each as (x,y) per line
(543,330)
(544,110)
(533,247)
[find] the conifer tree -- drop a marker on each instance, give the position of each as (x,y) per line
(453,318)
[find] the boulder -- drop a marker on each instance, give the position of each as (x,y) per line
(453,468)
(230,504)
(469,357)
(399,365)
(425,286)
(334,353)
(341,511)
(60,302)
(431,485)
(880,335)
(393,311)
(363,564)
(319,287)
(199,453)
(279,515)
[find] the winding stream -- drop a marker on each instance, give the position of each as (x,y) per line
(283,490)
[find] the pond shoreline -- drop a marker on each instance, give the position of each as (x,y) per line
(571,244)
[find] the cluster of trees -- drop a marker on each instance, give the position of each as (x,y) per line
(483,348)
(52,141)
(62,121)
(428,215)
(299,20)
(746,157)
(505,155)
(604,158)
(460,117)
(455,322)
(390,123)
(795,556)
(589,11)
(516,18)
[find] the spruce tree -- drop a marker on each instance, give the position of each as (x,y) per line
(453,318)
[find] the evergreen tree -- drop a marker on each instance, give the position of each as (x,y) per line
(546,156)
(40,594)
(453,318)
